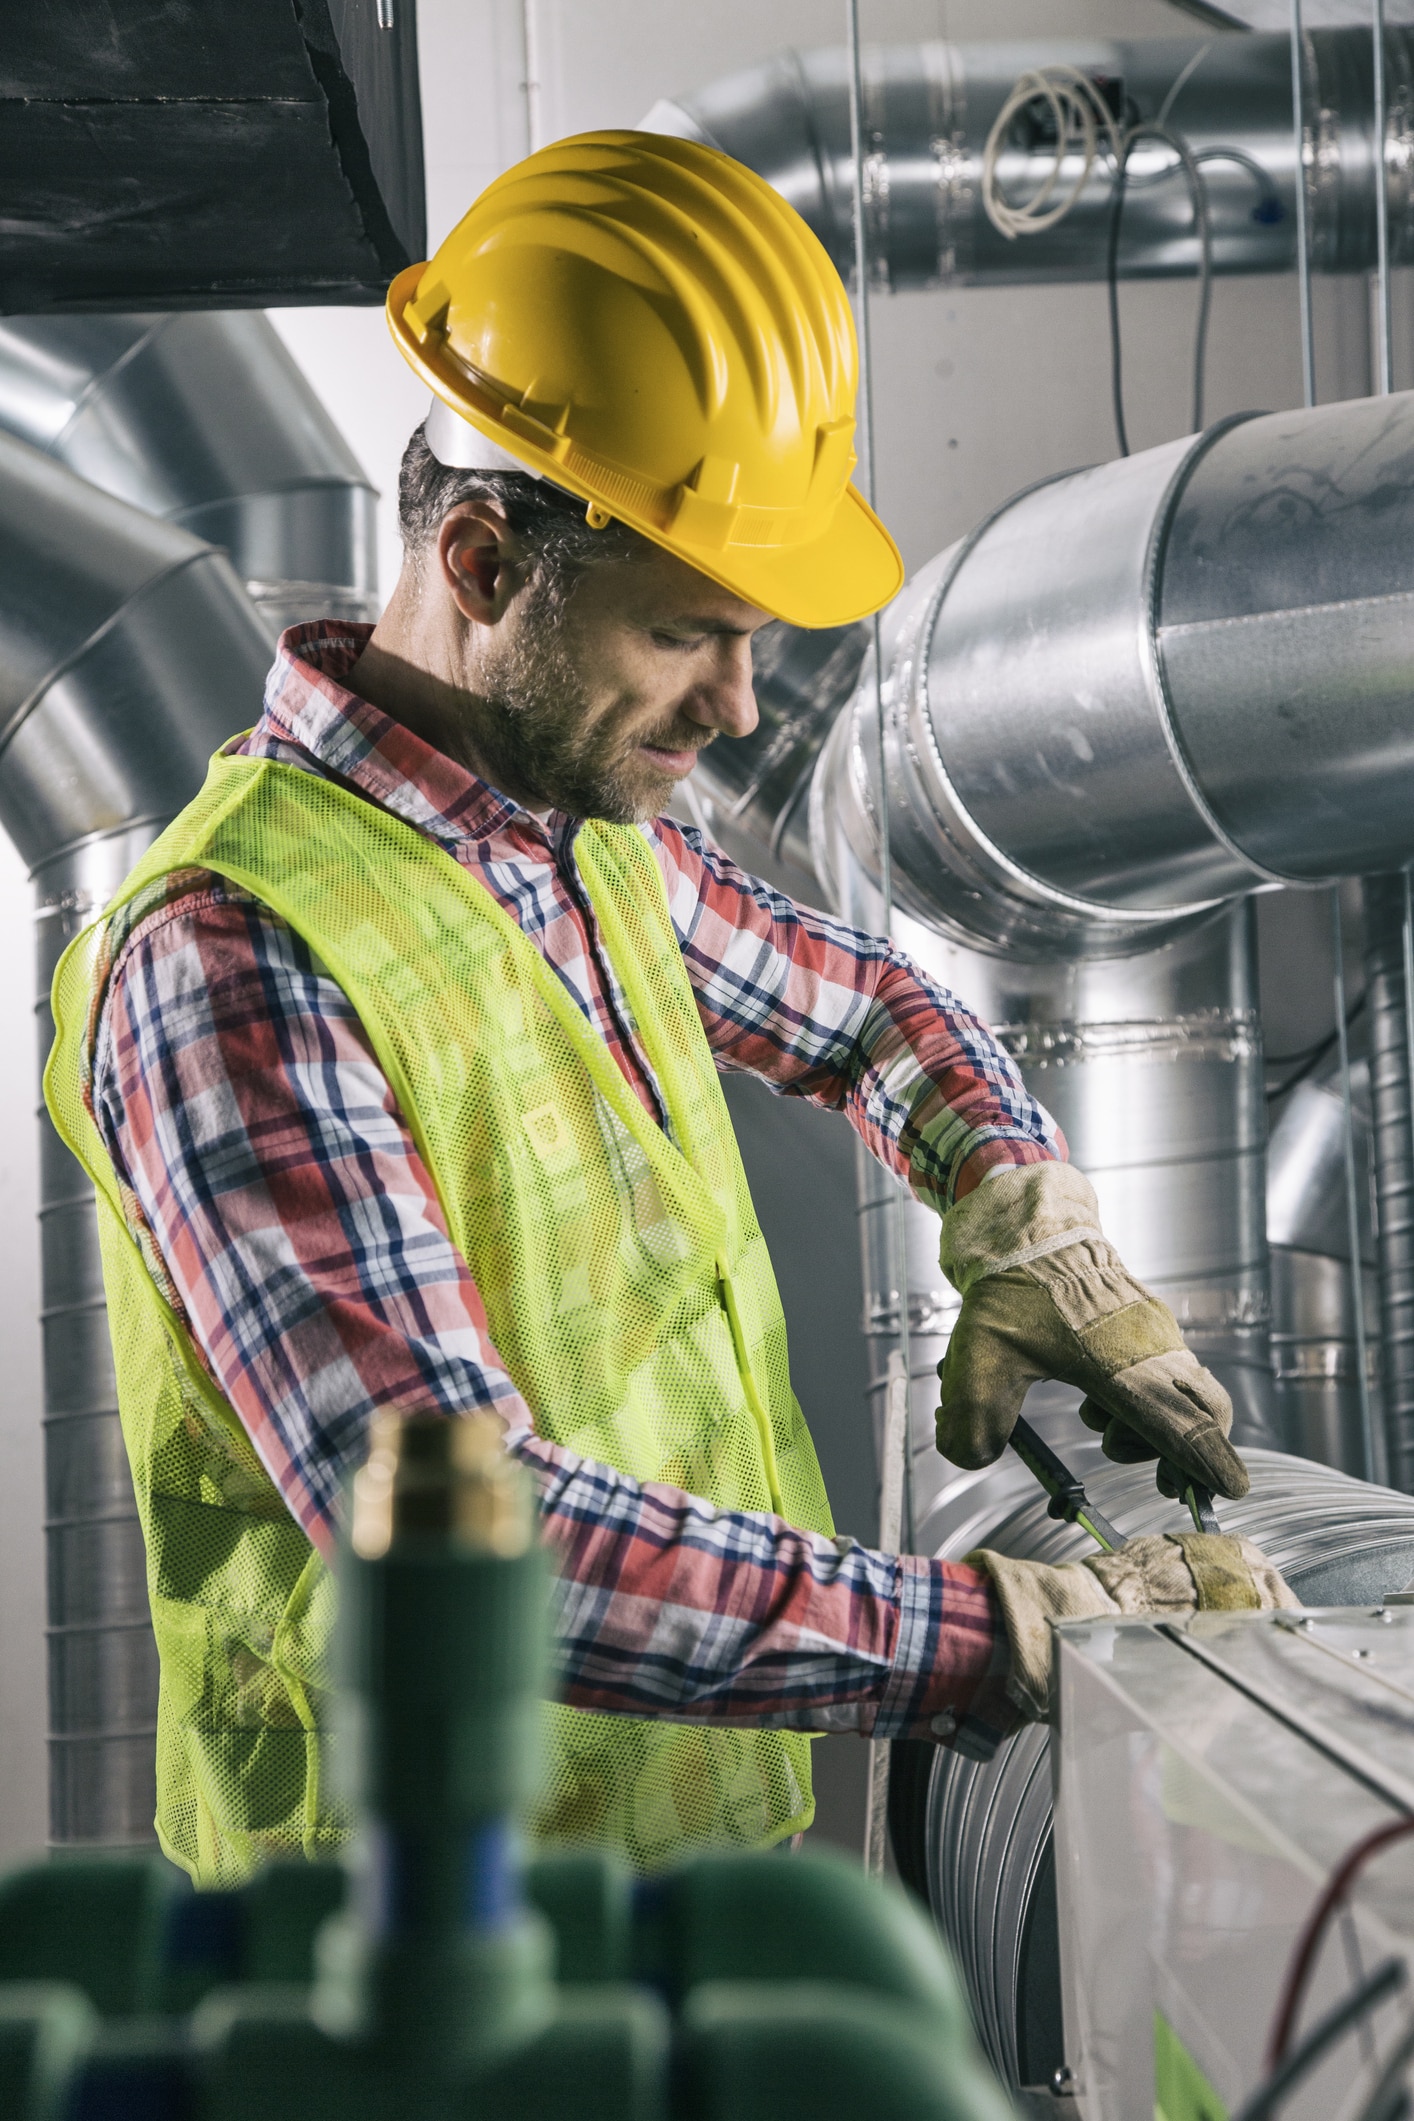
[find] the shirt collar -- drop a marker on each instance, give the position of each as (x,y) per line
(308,704)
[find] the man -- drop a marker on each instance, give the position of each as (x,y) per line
(395,1063)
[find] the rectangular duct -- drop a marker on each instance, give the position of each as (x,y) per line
(199,154)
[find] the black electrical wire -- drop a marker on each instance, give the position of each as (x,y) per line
(1198,194)
(1310,1058)
(1339,2020)
(1112,281)
(1333,1896)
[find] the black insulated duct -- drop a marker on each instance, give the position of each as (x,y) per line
(208,154)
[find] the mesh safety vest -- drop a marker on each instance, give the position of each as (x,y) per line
(626,1284)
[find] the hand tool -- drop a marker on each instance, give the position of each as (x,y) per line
(1198,1498)
(1068,1498)
(1070,1502)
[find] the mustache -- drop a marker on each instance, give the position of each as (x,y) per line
(677,738)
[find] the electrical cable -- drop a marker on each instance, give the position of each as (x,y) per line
(1112,296)
(1269,208)
(1197,192)
(1181,82)
(1079,113)
(1304,1958)
(1351,2011)
(1081,117)
(1310,1057)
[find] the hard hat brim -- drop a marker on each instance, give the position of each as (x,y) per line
(852,570)
(849,571)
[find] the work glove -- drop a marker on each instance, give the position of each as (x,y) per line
(1169,1576)
(1045,1295)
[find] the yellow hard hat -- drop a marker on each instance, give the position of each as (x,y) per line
(648,324)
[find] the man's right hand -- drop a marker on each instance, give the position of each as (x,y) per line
(1171,1575)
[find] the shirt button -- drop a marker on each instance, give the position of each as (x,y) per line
(944,1724)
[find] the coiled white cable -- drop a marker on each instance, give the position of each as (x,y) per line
(1081,116)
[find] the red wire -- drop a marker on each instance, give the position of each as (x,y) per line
(1299,1973)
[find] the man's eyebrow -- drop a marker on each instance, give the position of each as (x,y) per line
(692,623)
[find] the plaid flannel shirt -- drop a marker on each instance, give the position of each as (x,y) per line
(279,1198)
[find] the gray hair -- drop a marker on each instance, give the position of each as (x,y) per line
(551,523)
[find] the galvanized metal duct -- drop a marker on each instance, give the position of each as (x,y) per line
(928,110)
(128,652)
(1391,1092)
(1066,771)
(979,1836)
(1133,695)
(1314,1346)
(203,419)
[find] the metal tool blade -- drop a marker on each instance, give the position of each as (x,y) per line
(1199,1499)
(1069,1501)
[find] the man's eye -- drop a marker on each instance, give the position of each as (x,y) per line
(678,640)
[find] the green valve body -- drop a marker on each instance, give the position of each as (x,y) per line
(435,1975)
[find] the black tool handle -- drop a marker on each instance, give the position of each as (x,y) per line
(1069,1502)
(1066,1492)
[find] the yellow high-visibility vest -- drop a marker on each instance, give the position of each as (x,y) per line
(626,1283)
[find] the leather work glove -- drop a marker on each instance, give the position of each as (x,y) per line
(1045,1295)
(1173,1575)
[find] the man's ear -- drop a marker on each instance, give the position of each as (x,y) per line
(477,553)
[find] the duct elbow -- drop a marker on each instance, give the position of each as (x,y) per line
(128,652)
(204,420)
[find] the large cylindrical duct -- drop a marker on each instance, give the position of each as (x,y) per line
(1138,690)
(929,108)
(128,652)
(1392,1112)
(203,419)
(1075,799)
(977,1838)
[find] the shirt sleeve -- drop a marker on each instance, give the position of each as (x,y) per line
(822,1011)
(278,1195)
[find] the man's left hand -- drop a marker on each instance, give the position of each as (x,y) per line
(1045,1295)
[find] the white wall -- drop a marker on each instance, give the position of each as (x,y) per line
(980,391)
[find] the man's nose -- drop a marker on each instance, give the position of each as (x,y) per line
(727,700)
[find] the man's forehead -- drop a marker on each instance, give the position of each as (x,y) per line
(682,598)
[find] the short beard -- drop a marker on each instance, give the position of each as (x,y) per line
(533,731)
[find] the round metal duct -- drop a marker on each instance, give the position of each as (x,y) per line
(1137,690)
(203,418)
(128,653)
